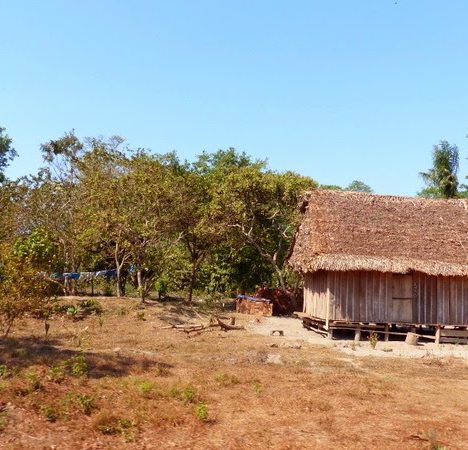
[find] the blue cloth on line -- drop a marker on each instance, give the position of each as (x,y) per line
(87,276)
(107,273)
(57,276)
(72,275)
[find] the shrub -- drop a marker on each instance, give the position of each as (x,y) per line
(57,373)
(33,381)
(187,394)
(85,402)
(79,367)
(22,290)
(122,311)
(140,315)
(4,372)
(257,387)
(91,305)
(225,379)
(373,338)
(73,311)
(49,413)
(201,411)
(161,286)
(111,424)
(145,387)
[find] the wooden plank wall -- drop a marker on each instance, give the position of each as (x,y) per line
(440,300)
(316,294)
(360,296)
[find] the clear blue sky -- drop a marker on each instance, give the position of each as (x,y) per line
(334,89)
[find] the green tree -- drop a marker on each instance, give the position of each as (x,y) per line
(259,205)
(331,187)
(442,180)
(358,186)
(7,152)
(22,290)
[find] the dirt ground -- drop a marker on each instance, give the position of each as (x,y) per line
(294,331)
(125,380)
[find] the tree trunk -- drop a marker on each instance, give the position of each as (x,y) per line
(120,281)
(119,290)
(279,274)
(141,287)
(119,265)
(193,277)
(267,257)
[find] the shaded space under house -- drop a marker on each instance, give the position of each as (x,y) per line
(370,262)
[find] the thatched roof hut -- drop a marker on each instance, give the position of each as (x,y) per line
(358,231)
(381,258)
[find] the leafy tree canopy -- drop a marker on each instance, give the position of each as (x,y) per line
(7,152)
(441,180)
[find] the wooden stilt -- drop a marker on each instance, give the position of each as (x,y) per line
(357,334)
(437,335)
(386,335)
(330,334)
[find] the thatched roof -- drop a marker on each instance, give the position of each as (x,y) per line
(356,231)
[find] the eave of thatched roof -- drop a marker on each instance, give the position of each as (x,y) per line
(346,231)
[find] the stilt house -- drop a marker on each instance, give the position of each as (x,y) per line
(383,259)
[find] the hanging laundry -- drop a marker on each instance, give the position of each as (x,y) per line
(57,276)
(112,273)
(87,276)
(71,275)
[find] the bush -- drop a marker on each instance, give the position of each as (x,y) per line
(57,373)
(79,366)
(201,411)
(4,372)
(91,305)
(225,379)
(111,424)
(187,394)
(145,387)
(161,286)
(85,402)
(49,413)
(33,381)
(22,290)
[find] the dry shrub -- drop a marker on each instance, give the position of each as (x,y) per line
(112,424)
(22,291)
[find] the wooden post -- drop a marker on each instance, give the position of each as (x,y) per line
(330,333)
(386,335)
(437,335)
(327,318)
(357,334)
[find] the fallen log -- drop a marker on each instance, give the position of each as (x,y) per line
(200,327)
(226,327)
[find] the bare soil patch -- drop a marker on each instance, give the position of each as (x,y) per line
(122,380)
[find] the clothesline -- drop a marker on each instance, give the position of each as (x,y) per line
(88,276)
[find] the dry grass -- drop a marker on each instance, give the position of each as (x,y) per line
(149,387)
